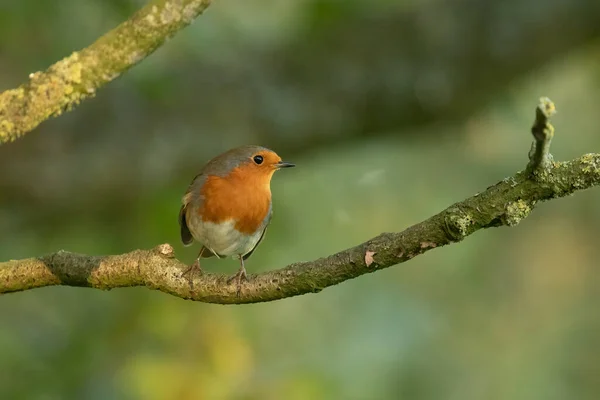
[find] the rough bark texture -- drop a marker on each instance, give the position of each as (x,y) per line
(504,204)
(77,77)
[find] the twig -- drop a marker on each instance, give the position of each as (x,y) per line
(543,132)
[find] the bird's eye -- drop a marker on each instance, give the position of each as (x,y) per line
(258,159)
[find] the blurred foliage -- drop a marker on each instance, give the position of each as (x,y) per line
(392,110)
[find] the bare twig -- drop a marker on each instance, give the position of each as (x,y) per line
(504,204)
(77,77)
(543,132)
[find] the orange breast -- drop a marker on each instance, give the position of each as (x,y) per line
(242,196)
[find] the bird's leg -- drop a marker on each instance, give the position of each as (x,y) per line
(194,268)
(239,276)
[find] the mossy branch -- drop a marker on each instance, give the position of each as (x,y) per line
(504,204)
(77,77)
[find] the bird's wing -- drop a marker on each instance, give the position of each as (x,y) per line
(191,198)
(266,224)
(248,254)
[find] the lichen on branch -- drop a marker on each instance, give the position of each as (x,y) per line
(506,203)
(77,77)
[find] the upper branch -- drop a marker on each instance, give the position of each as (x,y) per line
(77,77)
(506,203)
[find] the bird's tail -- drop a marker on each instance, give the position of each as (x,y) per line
(186,235)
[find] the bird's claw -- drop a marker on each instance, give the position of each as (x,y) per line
(191,271)
(239,277)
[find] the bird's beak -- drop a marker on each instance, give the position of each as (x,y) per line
(283,164)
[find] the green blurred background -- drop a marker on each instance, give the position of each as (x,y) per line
(392,110)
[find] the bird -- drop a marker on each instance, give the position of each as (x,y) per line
(227,207)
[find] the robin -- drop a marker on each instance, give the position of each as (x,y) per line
(227,206)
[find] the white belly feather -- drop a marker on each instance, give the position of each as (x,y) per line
(224,240)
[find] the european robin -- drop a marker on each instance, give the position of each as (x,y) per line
(227,206)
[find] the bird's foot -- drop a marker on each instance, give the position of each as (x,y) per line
(238,277)
(191,271)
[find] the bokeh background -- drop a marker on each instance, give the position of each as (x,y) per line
(393,110)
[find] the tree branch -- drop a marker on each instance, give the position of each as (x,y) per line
(504,204)
(73,79)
